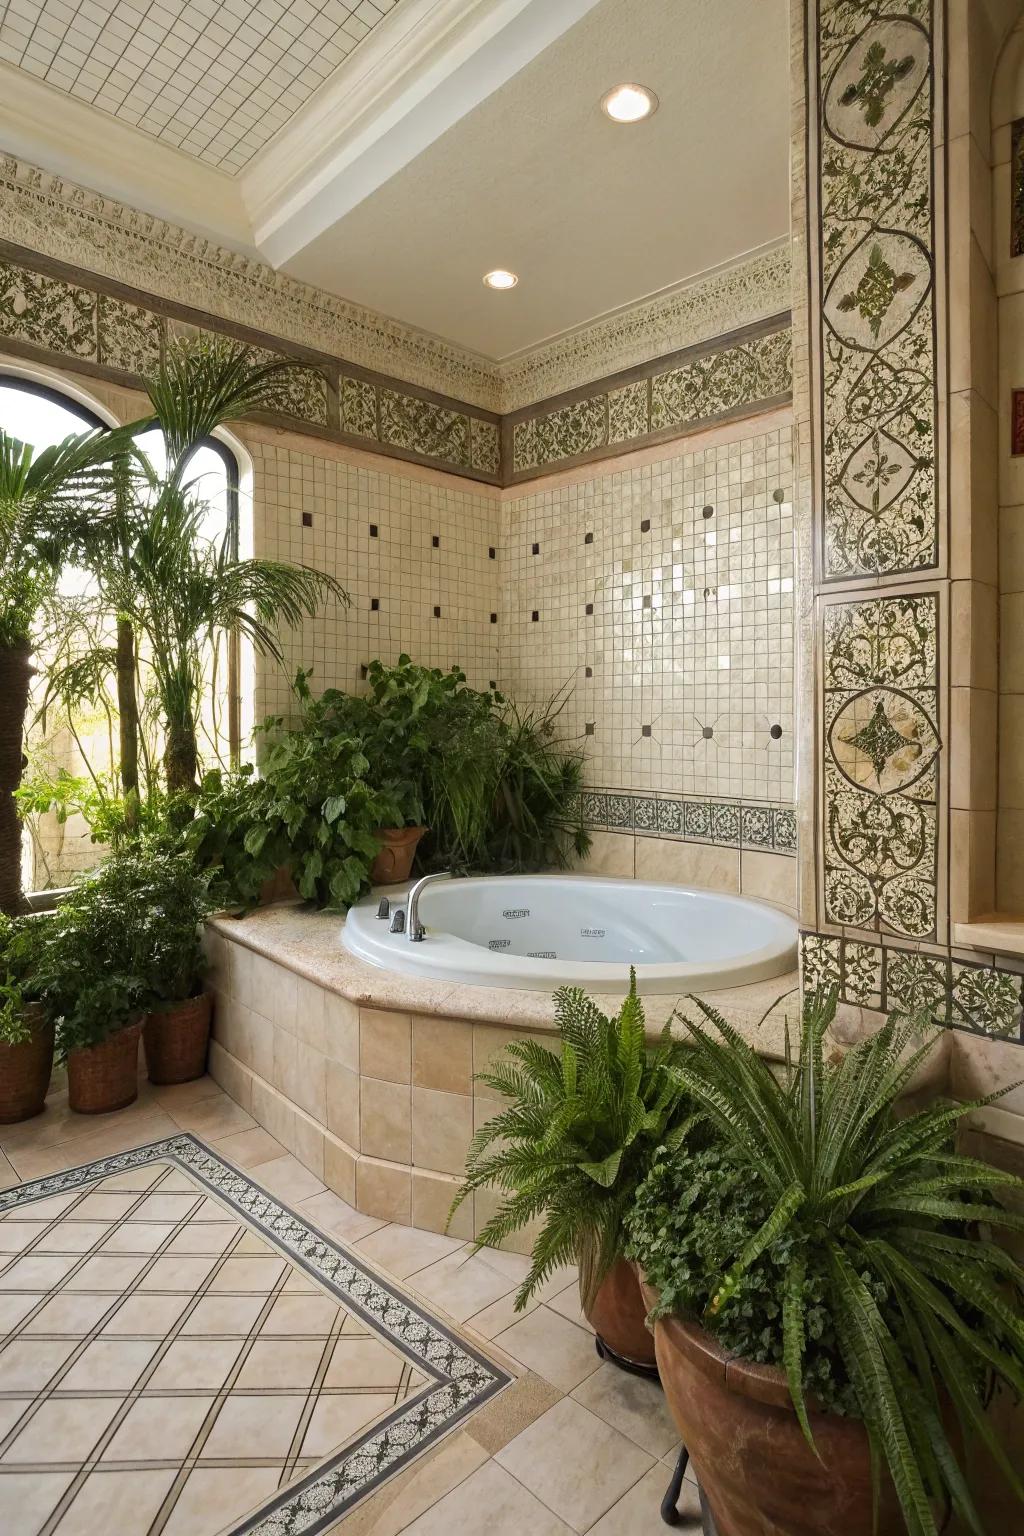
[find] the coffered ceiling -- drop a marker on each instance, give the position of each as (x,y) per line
(392,151)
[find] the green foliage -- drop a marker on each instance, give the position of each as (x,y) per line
(21,946)
(109,817)
(124,940)
(860,1255)
(578,1135)
(496,788)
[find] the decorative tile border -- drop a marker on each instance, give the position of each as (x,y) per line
(966,995)
(462,1378)
(876,270)
(727,823)
(708,384)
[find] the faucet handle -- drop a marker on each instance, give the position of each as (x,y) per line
(383,908)
(398,921)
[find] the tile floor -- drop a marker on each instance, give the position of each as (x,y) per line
(584,1448)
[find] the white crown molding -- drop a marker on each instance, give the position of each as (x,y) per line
(426,65)
(77,140)
(755,287)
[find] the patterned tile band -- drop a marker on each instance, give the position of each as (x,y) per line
(966,995)
(731,823)
(877,277)
(718,383)
(460,1379)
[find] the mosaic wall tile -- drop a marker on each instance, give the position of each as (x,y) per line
(881,764)
(47,312)
(876,256)
(130,337)
(628,414)
(484,445)
(619,811)
(784,830)
(709,386)
(725,823)
(420,426)
(358,404)
(978,997)
(645,814)
(756,826)
(300,392)
(572,430)
(670,818)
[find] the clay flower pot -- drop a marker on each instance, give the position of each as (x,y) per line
(105,1077)
(176,1039)
(760,1476)
(25,1069)
(278,887)
(394,861)
(618,1315)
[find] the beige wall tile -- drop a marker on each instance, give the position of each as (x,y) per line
(974,488)
(768,877)
(611,853)
(974,637)
(273,1112)
(972,862)
(432,1196)
(442,1126)
(226,1070)
(1010,861)
(973,749)
(341,1030)
(701,864)
(1011,547)
(310,1014)
(489,1042)
(343,1102)
(339,1168)
(1011,642)
(980,1067)
(308,1145)
(385,1045)
(973,341)
(383,1190)
(442,1054)
(1011,751)
(385,1119)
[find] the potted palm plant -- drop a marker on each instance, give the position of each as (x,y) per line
(168,896)
(571,1149)
(26,1032)
(93,979)
(43,497)
(827,1291)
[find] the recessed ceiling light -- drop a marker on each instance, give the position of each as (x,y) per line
(629,103)
(500,279)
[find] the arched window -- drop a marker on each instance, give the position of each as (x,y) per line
(74,749)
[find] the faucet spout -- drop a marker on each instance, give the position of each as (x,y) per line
(414,928)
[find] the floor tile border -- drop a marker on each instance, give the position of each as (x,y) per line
(464,1378)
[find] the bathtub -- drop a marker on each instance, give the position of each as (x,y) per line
(538,932)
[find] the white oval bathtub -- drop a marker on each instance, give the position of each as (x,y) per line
(544,931)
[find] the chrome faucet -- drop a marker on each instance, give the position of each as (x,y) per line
(414,927)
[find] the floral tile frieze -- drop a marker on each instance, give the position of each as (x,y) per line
(877,275)
(881,753)
(965,995)
(728,823)
(48,312)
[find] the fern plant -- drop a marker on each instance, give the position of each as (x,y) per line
(877,1218)
(577,1137)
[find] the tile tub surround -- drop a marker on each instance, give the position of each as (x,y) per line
(175,1332)
(664,593)
(367,1077)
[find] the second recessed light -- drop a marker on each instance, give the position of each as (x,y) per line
(629,103)
(500,279)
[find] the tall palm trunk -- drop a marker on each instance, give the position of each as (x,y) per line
(15,682)
(181,756)
(127,716)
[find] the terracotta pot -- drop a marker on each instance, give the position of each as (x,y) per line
(278,887)
(618,1316)
(25,1069)
(394,862)
(176,1039)
(748,1450)
(105,1077)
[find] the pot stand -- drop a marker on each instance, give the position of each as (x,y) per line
(669,1504)
(634,1367)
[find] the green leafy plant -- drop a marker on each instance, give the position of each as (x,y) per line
(21,946)
(123,940)
(855,1246)
(577,1137)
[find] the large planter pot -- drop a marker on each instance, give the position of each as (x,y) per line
(105,1077)
(278,887)
(25,1069)
(176,1039)
(748,1451)
(618,1315)
(394,861)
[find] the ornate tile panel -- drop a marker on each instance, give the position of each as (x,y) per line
(484,445)
(759,370)
(301,392)
(130,337)
(881,764)
(259,1336)
(48,312)
(978,997)
(420,426)
(877,274)
(628,413)
(358,407)
(728,823)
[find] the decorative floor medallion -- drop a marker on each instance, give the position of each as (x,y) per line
(182,1355)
